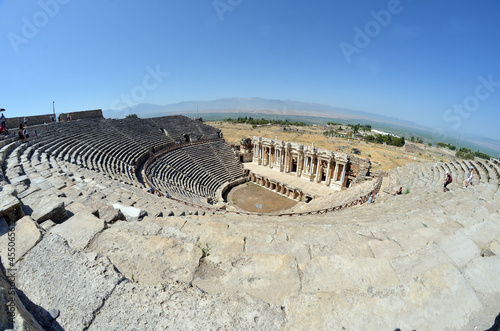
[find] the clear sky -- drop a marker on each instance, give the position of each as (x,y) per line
(432,62)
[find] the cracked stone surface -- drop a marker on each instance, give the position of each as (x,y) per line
(53,275)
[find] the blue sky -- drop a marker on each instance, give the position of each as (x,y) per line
(434,63)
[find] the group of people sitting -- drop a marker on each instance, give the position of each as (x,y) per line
(449,179)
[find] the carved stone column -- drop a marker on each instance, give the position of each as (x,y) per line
(328,179)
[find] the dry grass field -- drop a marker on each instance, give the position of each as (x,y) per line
(382,157)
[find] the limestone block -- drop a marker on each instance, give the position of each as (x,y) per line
(292,247)
(131,213)
(416,239)
(215,236)
(268,277)
(483,274)
(165,221)
(57,182)
(330,273)
(345,243)
(182,307)
(495,246)
(10,208)
(26,234)
(80,229)
(53,275)
(175,233)
(21,180)
(75,207)
(47,225)
(409,265)
(49,208)
(29,191)
(15,316)
(148,259)
(384,249)
(410,306)
(460,248)
(483,233)
(103,210)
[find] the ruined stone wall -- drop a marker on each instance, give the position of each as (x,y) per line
(78,115)
(13,122)
(412,148)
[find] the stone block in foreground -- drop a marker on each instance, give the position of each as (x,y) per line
(80,229)
(25,235)
(53,275)
(49,208)
(179,306)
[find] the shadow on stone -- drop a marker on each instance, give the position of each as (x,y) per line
(41,315)
(496,326)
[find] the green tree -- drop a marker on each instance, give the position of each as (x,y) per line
(132,116)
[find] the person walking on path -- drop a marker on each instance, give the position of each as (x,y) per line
(447,181)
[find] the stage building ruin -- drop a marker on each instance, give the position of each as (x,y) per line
(333,169)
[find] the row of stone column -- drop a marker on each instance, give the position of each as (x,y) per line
(302,164)
(287,190)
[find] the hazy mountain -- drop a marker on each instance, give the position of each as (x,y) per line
(278,108)
(254,105)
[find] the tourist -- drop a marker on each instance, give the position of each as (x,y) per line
(25,134)
(51,118)
(25,122)
(46,126)
(399,192)
(447,181)
(152,190)
(35,133)
(3,120)
(167,195)
(68,117)
(370,199)
(468,181)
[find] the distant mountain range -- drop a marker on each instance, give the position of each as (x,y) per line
(280,108)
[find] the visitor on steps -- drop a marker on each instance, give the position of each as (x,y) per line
(447,181)
(25,134)
(399,192)
(370,199)
(468,181)
(3,120)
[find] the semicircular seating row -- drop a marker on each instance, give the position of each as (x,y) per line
(111,146)
(195,172)
(429,176)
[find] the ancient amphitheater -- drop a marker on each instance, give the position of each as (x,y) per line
(94,250)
